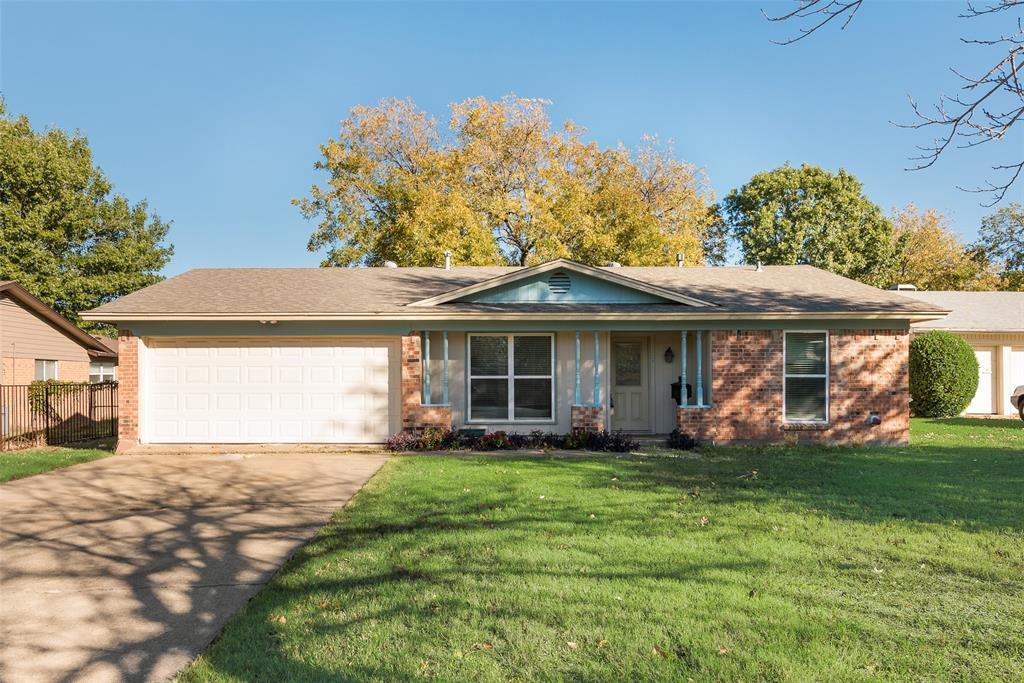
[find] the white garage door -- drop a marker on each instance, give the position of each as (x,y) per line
(274,392)
(1016,377)
(982,402)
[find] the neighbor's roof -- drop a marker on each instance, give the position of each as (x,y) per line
(95,347)
(387,293)
(975,311)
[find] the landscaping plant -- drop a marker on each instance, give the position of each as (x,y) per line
(943,374)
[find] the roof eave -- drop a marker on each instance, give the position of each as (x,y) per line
(912,316)
(36,305)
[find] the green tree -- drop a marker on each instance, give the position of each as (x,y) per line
(500,185)
(808,215)
(63,234)
(1001,240)
(929,254)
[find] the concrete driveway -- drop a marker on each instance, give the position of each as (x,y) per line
(124,569)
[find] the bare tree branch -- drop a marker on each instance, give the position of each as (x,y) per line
(985,110)
(823,11)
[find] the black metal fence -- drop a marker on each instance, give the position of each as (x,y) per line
(45,413)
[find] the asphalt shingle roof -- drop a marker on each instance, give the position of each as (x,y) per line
(378,291)
(975,311)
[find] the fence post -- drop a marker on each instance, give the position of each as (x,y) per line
(46,412)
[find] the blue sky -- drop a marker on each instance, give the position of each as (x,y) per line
(214,111)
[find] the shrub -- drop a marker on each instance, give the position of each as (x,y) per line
(403,441)
(681,441)
(943,374)
(434,439)
(495,441)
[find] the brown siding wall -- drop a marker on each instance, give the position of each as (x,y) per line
(869,376)
(24,335)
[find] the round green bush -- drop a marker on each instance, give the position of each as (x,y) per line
(943,374)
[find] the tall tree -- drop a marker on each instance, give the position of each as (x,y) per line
(501,185)
(1001,239)
(931,255)
(64,235)
(808,215)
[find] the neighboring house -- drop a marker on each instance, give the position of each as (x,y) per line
(336,354)
(993,324)
(36,342)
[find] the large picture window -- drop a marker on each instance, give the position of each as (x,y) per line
(511,377)
(806,376)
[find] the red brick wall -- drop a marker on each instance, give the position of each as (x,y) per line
(127,390)
(588,418)
(415,416)
(868,377)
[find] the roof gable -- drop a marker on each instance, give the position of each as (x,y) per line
(29,302)
(562,282)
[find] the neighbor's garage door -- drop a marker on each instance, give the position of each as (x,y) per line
(276,392)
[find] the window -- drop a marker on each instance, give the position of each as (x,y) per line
(46,369)
(511,377)
(806,376)
(102,372)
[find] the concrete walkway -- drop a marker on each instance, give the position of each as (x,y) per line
(124,569)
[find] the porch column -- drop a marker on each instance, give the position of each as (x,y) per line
(577,400)
(444,374)
(426,369)
(683,399)
(597,385)
(700,383)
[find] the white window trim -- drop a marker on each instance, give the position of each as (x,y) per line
(103,375)
(56,368)
(826,376)
(511,377)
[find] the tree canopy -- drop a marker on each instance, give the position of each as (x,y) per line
(807,215)
(501,185)
(64,235)
(931,255)
(1001,237)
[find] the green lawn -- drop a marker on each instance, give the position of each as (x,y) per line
(18,464)
(737,564)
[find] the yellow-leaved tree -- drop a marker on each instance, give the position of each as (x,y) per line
(501,185)
(932,257)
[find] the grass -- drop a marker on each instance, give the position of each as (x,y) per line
(772,563)
(18,464)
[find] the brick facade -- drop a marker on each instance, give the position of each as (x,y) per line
(588,418)
(23,371)
(128,390)
(416,416)
(868,377)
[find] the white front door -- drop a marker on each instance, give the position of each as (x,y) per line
(981,404)
(277,391)
(630,385)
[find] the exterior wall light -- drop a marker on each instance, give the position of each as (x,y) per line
(669,355)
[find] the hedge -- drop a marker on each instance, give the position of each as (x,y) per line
(943,374)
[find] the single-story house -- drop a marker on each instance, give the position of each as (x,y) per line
(348,355)
(36,342)
(993,324)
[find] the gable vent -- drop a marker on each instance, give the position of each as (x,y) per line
(559,283)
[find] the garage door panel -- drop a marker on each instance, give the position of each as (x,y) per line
(981,404)
(269,393)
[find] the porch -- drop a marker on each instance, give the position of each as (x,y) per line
(632,381)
